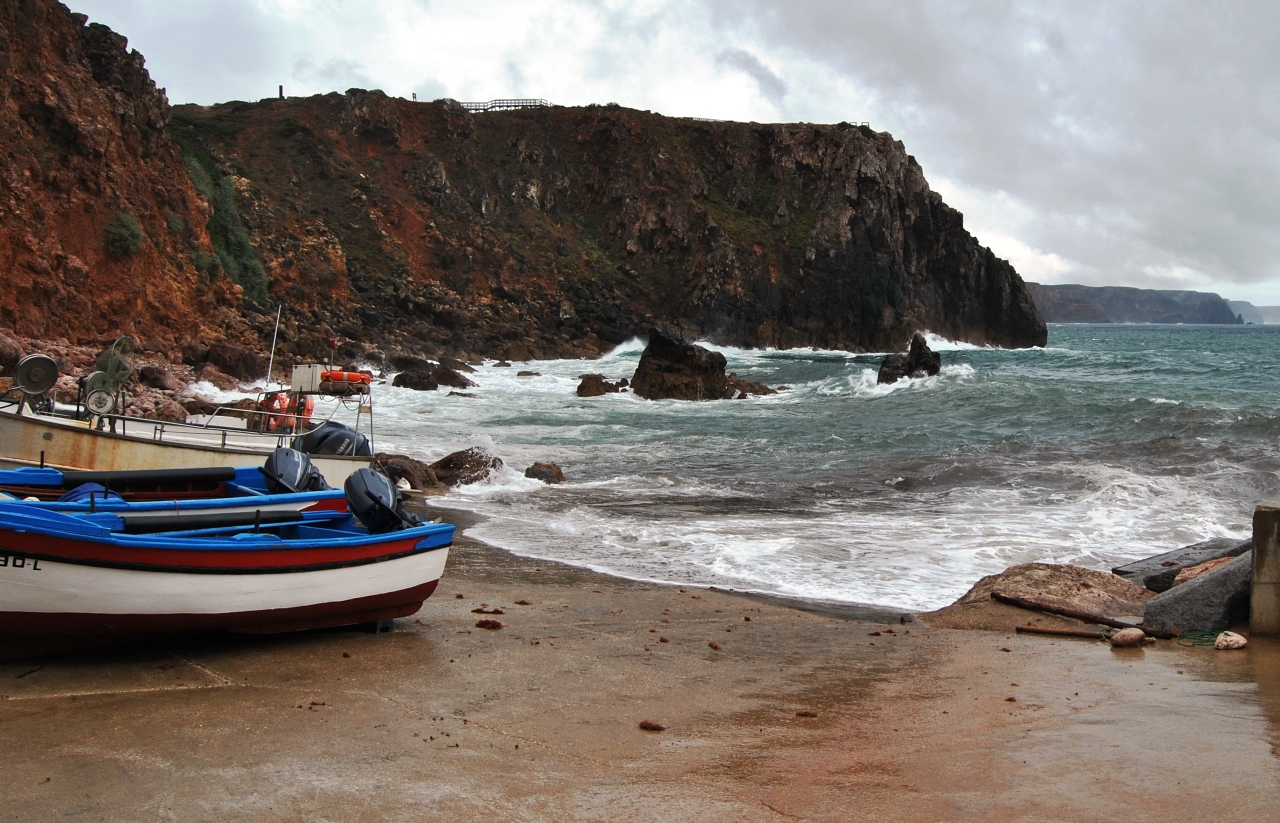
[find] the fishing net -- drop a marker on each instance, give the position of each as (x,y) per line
(116,365)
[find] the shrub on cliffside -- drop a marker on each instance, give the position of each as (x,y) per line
(235,250)
(124,235)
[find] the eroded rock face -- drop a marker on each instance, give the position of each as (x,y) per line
(562,232)
(920,361)
(671,369)
(465,467)
(82,137)
(555,232)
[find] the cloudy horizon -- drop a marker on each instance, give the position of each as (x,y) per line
(1104,143)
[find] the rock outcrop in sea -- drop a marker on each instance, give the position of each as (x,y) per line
(672,369)
(920,361)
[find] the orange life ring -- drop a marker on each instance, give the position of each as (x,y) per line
(346,377)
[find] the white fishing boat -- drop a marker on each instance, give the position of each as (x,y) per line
(34,431)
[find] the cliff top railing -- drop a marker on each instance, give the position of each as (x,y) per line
(507,104)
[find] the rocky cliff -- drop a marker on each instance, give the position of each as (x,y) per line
(101,229)
(1121,304)
(563,230)
(403,228)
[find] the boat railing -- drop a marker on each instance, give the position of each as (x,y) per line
(276,427)
(171,431)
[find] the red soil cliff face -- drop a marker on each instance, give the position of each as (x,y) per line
(555,231)
(401,228)
(82,140)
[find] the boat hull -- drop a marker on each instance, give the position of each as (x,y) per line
(27,440)
(41,598)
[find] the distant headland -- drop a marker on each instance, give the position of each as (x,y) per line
(1121,304)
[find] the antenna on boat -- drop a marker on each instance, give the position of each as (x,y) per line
(271,362)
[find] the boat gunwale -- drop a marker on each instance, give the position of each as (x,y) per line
(227,570)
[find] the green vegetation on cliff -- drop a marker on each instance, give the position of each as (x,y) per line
(236,254)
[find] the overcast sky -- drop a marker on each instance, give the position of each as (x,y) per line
(1106,143)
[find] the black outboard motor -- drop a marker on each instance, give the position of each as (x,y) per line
(333,438)
(289,470)
(374,498)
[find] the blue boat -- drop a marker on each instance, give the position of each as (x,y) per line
(161,566)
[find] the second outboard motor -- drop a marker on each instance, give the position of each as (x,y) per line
(374,499)
(333,438)
(289,470)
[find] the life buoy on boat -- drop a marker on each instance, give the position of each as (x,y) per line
(300,409)
(346,377)
(273,405)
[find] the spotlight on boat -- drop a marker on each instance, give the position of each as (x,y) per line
(35,374)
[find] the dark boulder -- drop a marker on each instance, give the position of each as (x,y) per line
(160,377)
(535,374)
(237,361)
(170,411)
(418,474)
(408,362)
(416,380)
(1158,573)
(594,385)
(1213,601)
(546,472)
(465,467)
(199,405)
(10,353)
(919,362)
(446,376)
(457,365)
(195,353)
(210,373)
(671,368)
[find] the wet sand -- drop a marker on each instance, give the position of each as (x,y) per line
(539,720)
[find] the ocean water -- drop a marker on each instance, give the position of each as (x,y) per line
(1110,444)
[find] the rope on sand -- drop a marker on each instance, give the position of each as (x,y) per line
(1193,637)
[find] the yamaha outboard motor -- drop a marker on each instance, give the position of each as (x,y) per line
(374,499)
(289,470)
(333,438)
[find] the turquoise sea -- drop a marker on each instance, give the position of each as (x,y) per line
(1112,443)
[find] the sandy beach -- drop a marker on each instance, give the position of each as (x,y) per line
(801,713)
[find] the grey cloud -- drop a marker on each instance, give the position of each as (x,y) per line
(771,85)
(1142,135)
(201,52)
(334,74)
(430,89)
